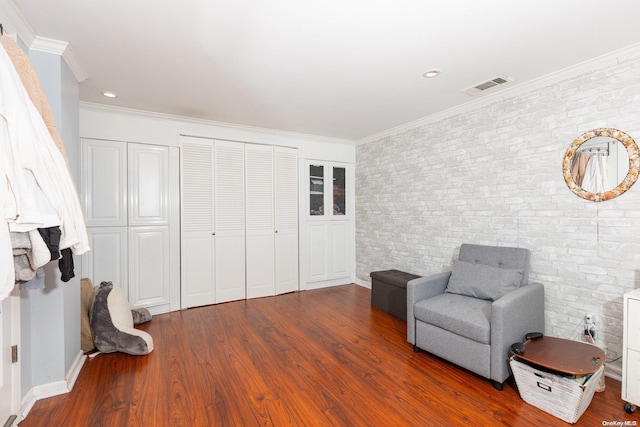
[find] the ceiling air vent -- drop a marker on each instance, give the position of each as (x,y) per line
(500,80)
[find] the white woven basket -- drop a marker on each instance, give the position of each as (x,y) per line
(560,396)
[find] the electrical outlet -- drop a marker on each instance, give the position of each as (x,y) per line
(589,326)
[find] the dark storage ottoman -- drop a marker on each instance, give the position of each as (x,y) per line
(389,291)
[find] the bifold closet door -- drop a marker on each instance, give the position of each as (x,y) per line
(271,220)
(213,221)
(260,253)
(198,228)
(286,219)
(239,221)
(229,221)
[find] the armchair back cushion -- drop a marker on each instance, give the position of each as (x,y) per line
(483,281)
(498,256)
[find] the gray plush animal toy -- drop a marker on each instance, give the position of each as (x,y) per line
(112,323)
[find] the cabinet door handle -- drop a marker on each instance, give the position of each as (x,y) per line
(276,231)
(213,234)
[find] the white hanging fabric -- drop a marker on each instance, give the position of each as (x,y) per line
(38,190)
(595,175)
(604,173)
(7,272)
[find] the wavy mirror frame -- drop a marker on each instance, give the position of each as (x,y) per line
(627,182)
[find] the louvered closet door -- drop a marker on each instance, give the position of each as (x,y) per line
(286,219)
(260,222)
(198,249)
(230,223)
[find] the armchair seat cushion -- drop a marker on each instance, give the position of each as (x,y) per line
(460,314)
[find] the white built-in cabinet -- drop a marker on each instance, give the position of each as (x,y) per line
(130,194)
(631,351)
(239,220)
(328,222)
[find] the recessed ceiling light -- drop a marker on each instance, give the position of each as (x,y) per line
(109,94)
(429,74)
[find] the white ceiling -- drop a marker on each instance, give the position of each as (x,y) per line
(336,68)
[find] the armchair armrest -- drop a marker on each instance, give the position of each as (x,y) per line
(419,289)
(512,316)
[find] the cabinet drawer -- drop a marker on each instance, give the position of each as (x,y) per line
(631,377)
(633,324)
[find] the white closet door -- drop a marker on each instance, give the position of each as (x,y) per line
(317,251)
(150,268)
(259,216)
(230,221)
(148,184)
(107,261)
(126,186)
(286,219)
(104,182)
(153,170)
(339,248)
(198,281)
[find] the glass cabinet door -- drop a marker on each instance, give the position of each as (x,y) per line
(316,190)
(339,191)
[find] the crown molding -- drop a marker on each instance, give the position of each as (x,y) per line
(14,23)
(74,64)
(610,59)
(63,49)
(43,44)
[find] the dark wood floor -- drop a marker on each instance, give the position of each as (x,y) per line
(313,358)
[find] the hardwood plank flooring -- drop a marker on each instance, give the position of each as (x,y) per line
(314,358)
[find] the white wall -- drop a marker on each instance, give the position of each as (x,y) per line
(490,173)
(69,132)
(50,318)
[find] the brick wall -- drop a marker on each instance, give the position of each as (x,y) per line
(493,175)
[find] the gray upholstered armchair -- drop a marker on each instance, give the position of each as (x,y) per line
(471,315)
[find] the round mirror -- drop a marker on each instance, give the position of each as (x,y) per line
(601,164)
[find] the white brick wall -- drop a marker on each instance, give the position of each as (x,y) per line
(493,175)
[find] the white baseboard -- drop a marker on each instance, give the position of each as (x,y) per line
(362,283)
(327,283)
(612,375)
(52,389)
(614,370)
(76,367)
